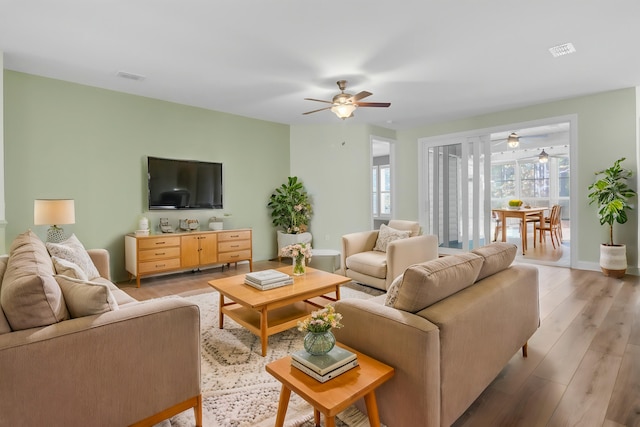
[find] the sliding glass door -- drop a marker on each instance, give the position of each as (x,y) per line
(455,199)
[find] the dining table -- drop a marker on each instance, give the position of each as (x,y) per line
(522,213)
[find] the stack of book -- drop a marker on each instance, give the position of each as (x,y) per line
(267,279)
(326,366)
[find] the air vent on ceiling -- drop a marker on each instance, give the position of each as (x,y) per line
(130,76)
(562,49)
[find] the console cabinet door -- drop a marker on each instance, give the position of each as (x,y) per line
(208,249)
(190,251)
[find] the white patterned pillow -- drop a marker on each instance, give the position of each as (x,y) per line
(86,298)
(68,268)
(72,250)
(387,235)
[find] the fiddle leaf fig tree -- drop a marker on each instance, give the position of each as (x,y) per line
(612,194)
(290,207)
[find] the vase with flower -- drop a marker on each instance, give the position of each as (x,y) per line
(319,338)
(299,253)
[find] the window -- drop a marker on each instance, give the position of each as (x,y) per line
(503,181)
(381,179)
(534,180)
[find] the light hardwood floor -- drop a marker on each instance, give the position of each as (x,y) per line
(583,367)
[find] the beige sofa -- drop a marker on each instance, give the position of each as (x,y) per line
(449,327)
(136,364)
(368,259)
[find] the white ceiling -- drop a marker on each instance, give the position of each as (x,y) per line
(434,60)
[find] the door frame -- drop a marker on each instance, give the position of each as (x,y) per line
(426,142)
(392,167)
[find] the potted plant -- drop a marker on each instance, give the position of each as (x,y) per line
(291,212)
(612,194)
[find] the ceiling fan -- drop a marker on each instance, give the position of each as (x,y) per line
(344,104)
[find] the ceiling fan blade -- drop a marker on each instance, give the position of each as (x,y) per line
(360,95)
(315,111)
(372,104)
(318,100)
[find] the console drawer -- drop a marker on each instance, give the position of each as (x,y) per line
(158,242)
(226,236)
(236,256)
(159,265)
(234,246)
(159,253)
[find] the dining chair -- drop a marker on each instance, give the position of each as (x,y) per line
(496,218)
(552,226)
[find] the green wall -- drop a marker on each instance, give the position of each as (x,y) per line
(64,140)
(333,163)
(606,132)
(68,140)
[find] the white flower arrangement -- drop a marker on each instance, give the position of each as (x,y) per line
(297,250)
(321,320)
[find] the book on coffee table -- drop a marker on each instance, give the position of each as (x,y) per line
(266,277)
(272,285)
(326,377)
(325,363)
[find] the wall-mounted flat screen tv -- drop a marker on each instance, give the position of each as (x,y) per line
(184,184)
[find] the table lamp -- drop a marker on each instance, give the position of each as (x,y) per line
(54,212)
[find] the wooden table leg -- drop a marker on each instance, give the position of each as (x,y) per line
(372,407)
(316,417)
(220,313)
(264,339)
(337,292)
(503,220)
(330,421)
(285,393)
(523,231)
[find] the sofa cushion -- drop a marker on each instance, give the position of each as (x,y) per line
(86,298)
(371,263)
(73,250)
(4,324)
(68,268)
(30,296)
(497,256)
(429,282)
(387,235)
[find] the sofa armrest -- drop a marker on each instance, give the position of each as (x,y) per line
(407,342)
(111,369)
(405,252)
(100,258)
(354,243)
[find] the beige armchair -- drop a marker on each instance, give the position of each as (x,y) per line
(378,269)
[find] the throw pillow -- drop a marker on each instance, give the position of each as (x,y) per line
(432,281)
(497,256)
(387,235)
(72,250)
(392,291)
(30,296)
(68,268)
(86,298)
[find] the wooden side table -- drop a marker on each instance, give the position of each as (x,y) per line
(335,395)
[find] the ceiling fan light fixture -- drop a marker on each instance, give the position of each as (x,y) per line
(543,157)
(343,111)
(513,140)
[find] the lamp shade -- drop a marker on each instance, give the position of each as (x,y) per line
(543,157)
(513,140)
(54,211)
(344,111)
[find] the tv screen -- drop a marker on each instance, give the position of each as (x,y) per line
(184,184)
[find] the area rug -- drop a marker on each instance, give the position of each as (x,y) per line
(236,389)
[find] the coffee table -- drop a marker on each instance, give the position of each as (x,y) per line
(335,395)
(265,313)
